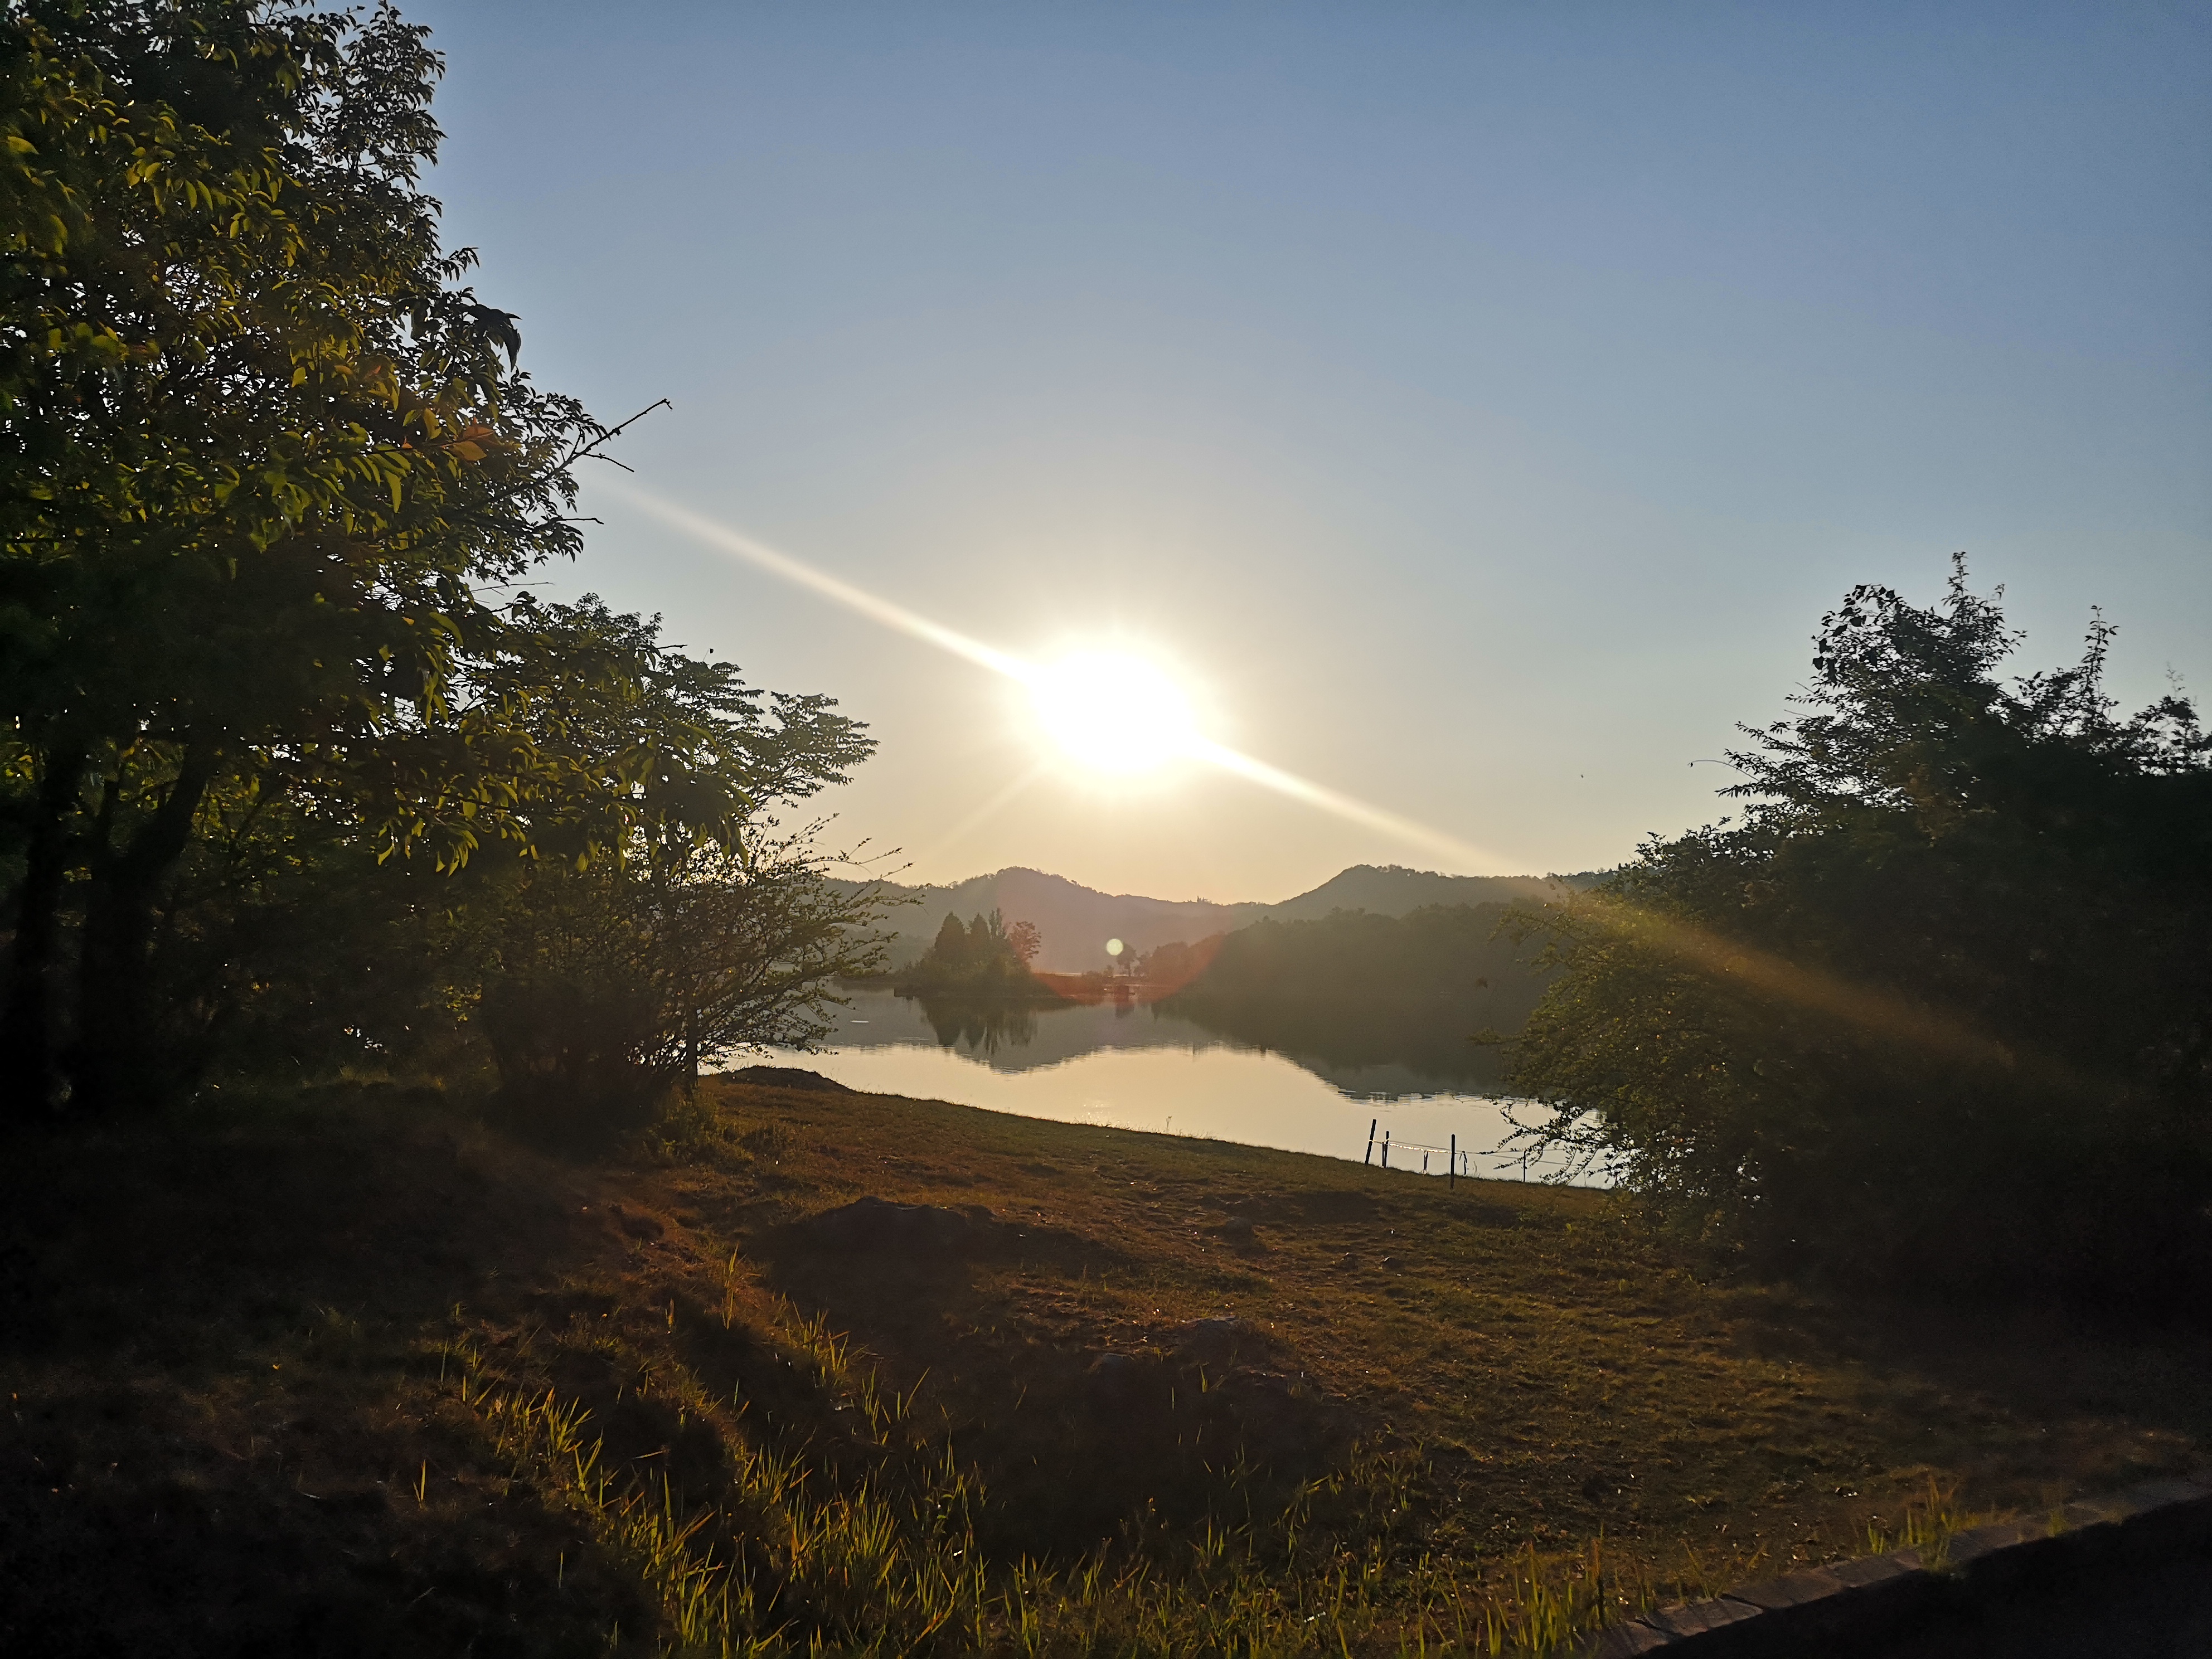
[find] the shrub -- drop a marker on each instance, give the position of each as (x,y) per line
(1935,1009)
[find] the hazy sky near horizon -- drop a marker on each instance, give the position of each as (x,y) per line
(1476,406)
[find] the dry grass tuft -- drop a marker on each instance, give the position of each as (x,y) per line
(349,1373)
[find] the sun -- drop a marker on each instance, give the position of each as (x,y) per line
(1113,712)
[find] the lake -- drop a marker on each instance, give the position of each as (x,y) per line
(1135,1067)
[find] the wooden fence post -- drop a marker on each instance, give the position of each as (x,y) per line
(1368,1156)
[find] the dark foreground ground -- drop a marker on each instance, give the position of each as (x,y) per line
(356,1374)
(2161,1608)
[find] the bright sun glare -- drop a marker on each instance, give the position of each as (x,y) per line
(1113,712)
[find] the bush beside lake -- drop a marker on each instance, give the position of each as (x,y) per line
(1932,1011)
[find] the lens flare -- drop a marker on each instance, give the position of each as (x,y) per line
(1113,712)
(1118,713)
(1123,713)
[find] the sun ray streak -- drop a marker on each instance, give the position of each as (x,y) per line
(1253,770)
(1930,1026)
(868,605)
(1941,1031)
(897,616)
(989,809)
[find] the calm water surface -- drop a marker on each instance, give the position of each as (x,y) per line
(1134,1067)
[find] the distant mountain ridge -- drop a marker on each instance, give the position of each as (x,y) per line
(1392,889)
(1076,922)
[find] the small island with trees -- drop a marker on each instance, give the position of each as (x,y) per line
(985,957)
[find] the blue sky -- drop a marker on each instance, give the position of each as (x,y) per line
(1475,405)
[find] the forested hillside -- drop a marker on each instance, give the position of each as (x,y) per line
(1355,987)
(1392,889)
(1072,922)
(1075,921)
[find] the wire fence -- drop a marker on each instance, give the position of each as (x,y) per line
(1458,1160)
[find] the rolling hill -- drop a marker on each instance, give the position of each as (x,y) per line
(1392,889)
(1076,920)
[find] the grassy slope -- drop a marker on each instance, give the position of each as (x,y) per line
(269,1380)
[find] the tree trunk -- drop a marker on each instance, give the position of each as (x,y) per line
(29,1080)
(118,1058)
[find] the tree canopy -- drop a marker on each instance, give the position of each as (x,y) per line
(984,957)
(1936,1003)
(269,470)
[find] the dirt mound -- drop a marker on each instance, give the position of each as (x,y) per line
(874,1223)
(787,1077)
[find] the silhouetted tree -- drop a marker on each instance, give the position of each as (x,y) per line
(950,950)
(262,456)
(261,447)
(658,927)
(1936,1007)
(981,958)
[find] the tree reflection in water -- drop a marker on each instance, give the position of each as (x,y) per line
(1428,1042)
(1433,1043)
(982,1024)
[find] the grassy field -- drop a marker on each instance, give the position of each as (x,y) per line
(355,1374)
